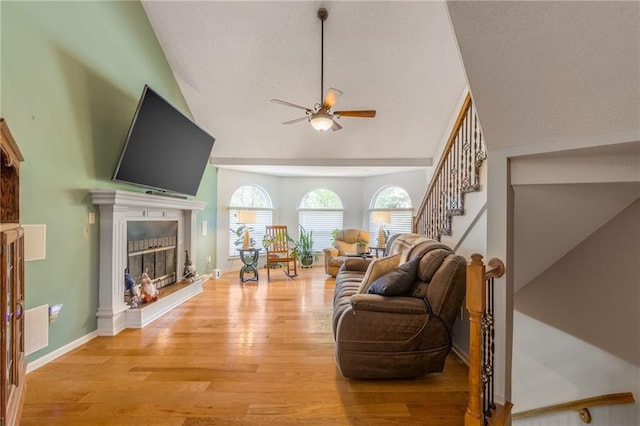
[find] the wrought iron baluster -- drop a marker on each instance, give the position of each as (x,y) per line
(457,172)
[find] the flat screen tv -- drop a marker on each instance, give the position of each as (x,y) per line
(164,150)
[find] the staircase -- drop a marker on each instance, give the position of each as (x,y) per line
(457,173)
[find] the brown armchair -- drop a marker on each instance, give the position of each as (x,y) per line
(346,242)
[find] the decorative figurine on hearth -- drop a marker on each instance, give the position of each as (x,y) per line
(189,270)
(134,290)
(149,290)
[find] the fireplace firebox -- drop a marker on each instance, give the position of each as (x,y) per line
(151,248)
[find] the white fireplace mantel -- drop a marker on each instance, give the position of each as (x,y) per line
(117,207)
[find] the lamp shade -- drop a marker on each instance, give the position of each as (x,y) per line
(381,217)
(246,216)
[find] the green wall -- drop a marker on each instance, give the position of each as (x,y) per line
(71,76)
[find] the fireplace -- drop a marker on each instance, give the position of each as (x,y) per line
(151,248)
(145,233)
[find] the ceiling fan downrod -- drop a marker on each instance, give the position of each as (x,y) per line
(322,14)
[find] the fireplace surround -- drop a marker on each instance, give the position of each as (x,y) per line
(125,218)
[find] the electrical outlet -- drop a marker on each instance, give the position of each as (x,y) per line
(92,218)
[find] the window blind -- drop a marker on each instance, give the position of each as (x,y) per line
(401,222)
(322,223)
(256,230)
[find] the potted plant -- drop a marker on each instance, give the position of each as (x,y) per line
(333,237)
(239,231)
(304,248)
(362,247)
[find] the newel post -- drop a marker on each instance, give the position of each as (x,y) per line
(475,305)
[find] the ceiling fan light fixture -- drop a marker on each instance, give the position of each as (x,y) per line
(321,121)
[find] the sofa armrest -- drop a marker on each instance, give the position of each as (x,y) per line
(392,305)
(356,264)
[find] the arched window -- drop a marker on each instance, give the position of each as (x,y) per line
(320,211)
(254,198)
(397,212)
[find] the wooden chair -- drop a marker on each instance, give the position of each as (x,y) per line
(278,251)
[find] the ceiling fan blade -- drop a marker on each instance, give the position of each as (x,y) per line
(335,126)
(296,120)
(331,97)
(363,113)
(278,101)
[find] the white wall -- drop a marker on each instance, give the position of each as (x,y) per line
(577,326)
(287,192)
(551,367)
(500,235)
(468,236)
(415,183)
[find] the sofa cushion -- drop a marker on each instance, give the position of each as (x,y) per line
(377,268)
(397,282)
(431,262)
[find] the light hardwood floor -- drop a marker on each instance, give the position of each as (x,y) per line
(249,354)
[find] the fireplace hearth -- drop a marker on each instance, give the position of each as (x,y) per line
(145,233)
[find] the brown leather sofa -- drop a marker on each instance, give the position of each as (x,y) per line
(346,242)
(379,337)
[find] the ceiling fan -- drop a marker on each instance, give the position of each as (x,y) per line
(320,116)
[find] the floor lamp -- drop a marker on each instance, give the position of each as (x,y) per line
(245,217)
(381,218)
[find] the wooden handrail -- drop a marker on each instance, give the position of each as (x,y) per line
(494,268)
(581,406)
(457,172)
(452,138)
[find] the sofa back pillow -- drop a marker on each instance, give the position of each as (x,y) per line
(397,282)
(377,268)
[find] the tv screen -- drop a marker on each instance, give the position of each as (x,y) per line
(164,150)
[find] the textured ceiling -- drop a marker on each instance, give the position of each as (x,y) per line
(231,58)
(552,72)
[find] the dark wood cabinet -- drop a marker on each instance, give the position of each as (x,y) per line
(13,364)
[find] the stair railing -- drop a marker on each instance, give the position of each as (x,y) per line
(482,409)
(458,172)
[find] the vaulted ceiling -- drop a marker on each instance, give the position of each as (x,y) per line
(562,74)
(231,58)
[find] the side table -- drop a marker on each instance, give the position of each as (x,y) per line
(378,250)
(249,259)
(366,255)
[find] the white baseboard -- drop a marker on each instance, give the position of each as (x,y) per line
(34,365)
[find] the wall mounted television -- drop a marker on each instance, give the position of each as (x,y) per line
(164,150)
